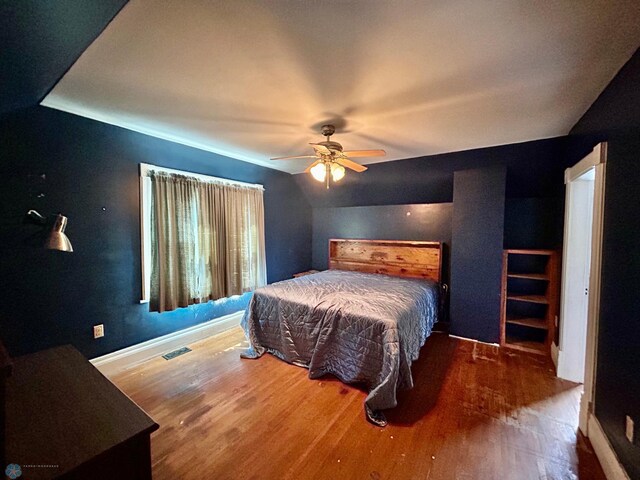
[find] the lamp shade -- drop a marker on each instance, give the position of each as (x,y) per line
(337,172)
(57,240)
(319,172)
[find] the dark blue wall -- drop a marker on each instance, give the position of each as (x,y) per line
(615,117)
(534,223)
(477,245)
(534,170)
(430,222)
(40,40)
(616,109)
(91,175)
(532,206)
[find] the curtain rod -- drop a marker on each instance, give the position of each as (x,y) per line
(145,168)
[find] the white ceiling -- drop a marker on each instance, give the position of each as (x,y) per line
(253,79)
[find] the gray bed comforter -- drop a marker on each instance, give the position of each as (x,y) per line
(362,328)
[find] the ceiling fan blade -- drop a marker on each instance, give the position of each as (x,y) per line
(308,169)
(321,149)
(345,162)
(365,153)
(294,156)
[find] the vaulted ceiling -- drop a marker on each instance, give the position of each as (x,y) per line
(40,40)
(254,79)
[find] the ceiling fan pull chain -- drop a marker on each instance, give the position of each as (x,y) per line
(328,167)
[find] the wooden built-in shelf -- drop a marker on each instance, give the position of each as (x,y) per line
(529,298)
(529,276)
(540,323)
(526,345)
(530,328)
(520,251)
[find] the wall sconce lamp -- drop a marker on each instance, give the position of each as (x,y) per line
(56,239)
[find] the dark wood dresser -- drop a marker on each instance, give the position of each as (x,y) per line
(65,420)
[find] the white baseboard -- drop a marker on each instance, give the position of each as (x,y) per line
(120,360)
(555,354)
(612,467)
(584,414)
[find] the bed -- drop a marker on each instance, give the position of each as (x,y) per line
(364,320)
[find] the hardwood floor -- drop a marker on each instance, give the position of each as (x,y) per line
(476,412)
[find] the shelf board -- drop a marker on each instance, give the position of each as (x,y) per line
(526,346)
(529,298)
(520,251)
(539,323)
(531,276)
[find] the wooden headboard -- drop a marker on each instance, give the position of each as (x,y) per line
(400,258)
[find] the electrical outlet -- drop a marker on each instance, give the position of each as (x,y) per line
(98,331)
(629,430)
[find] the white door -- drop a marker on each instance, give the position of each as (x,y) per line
(574,306)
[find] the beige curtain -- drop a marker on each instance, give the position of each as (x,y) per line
(207,240)
(245,253)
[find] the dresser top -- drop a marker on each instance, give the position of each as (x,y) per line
(62,412)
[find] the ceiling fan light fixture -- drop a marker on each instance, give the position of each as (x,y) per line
(319,172)
(337,172)
(331,159)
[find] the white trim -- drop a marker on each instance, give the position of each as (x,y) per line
(145,236)
(225,150)
(597,156)
(611,466)
(596,159)
(120,360)
(146,168)
(555,354)
(594,292)
(586,410)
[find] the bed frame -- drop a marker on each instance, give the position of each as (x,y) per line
(400,258)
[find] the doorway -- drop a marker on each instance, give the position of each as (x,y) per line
(580,297)
(576,273)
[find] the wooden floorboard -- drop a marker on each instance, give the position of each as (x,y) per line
(475,412)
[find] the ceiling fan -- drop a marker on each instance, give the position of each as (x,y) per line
(331,159)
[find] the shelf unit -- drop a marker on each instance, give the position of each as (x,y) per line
(530,292)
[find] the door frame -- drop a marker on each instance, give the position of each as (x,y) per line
(596,159)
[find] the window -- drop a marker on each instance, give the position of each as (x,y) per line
(202,237)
